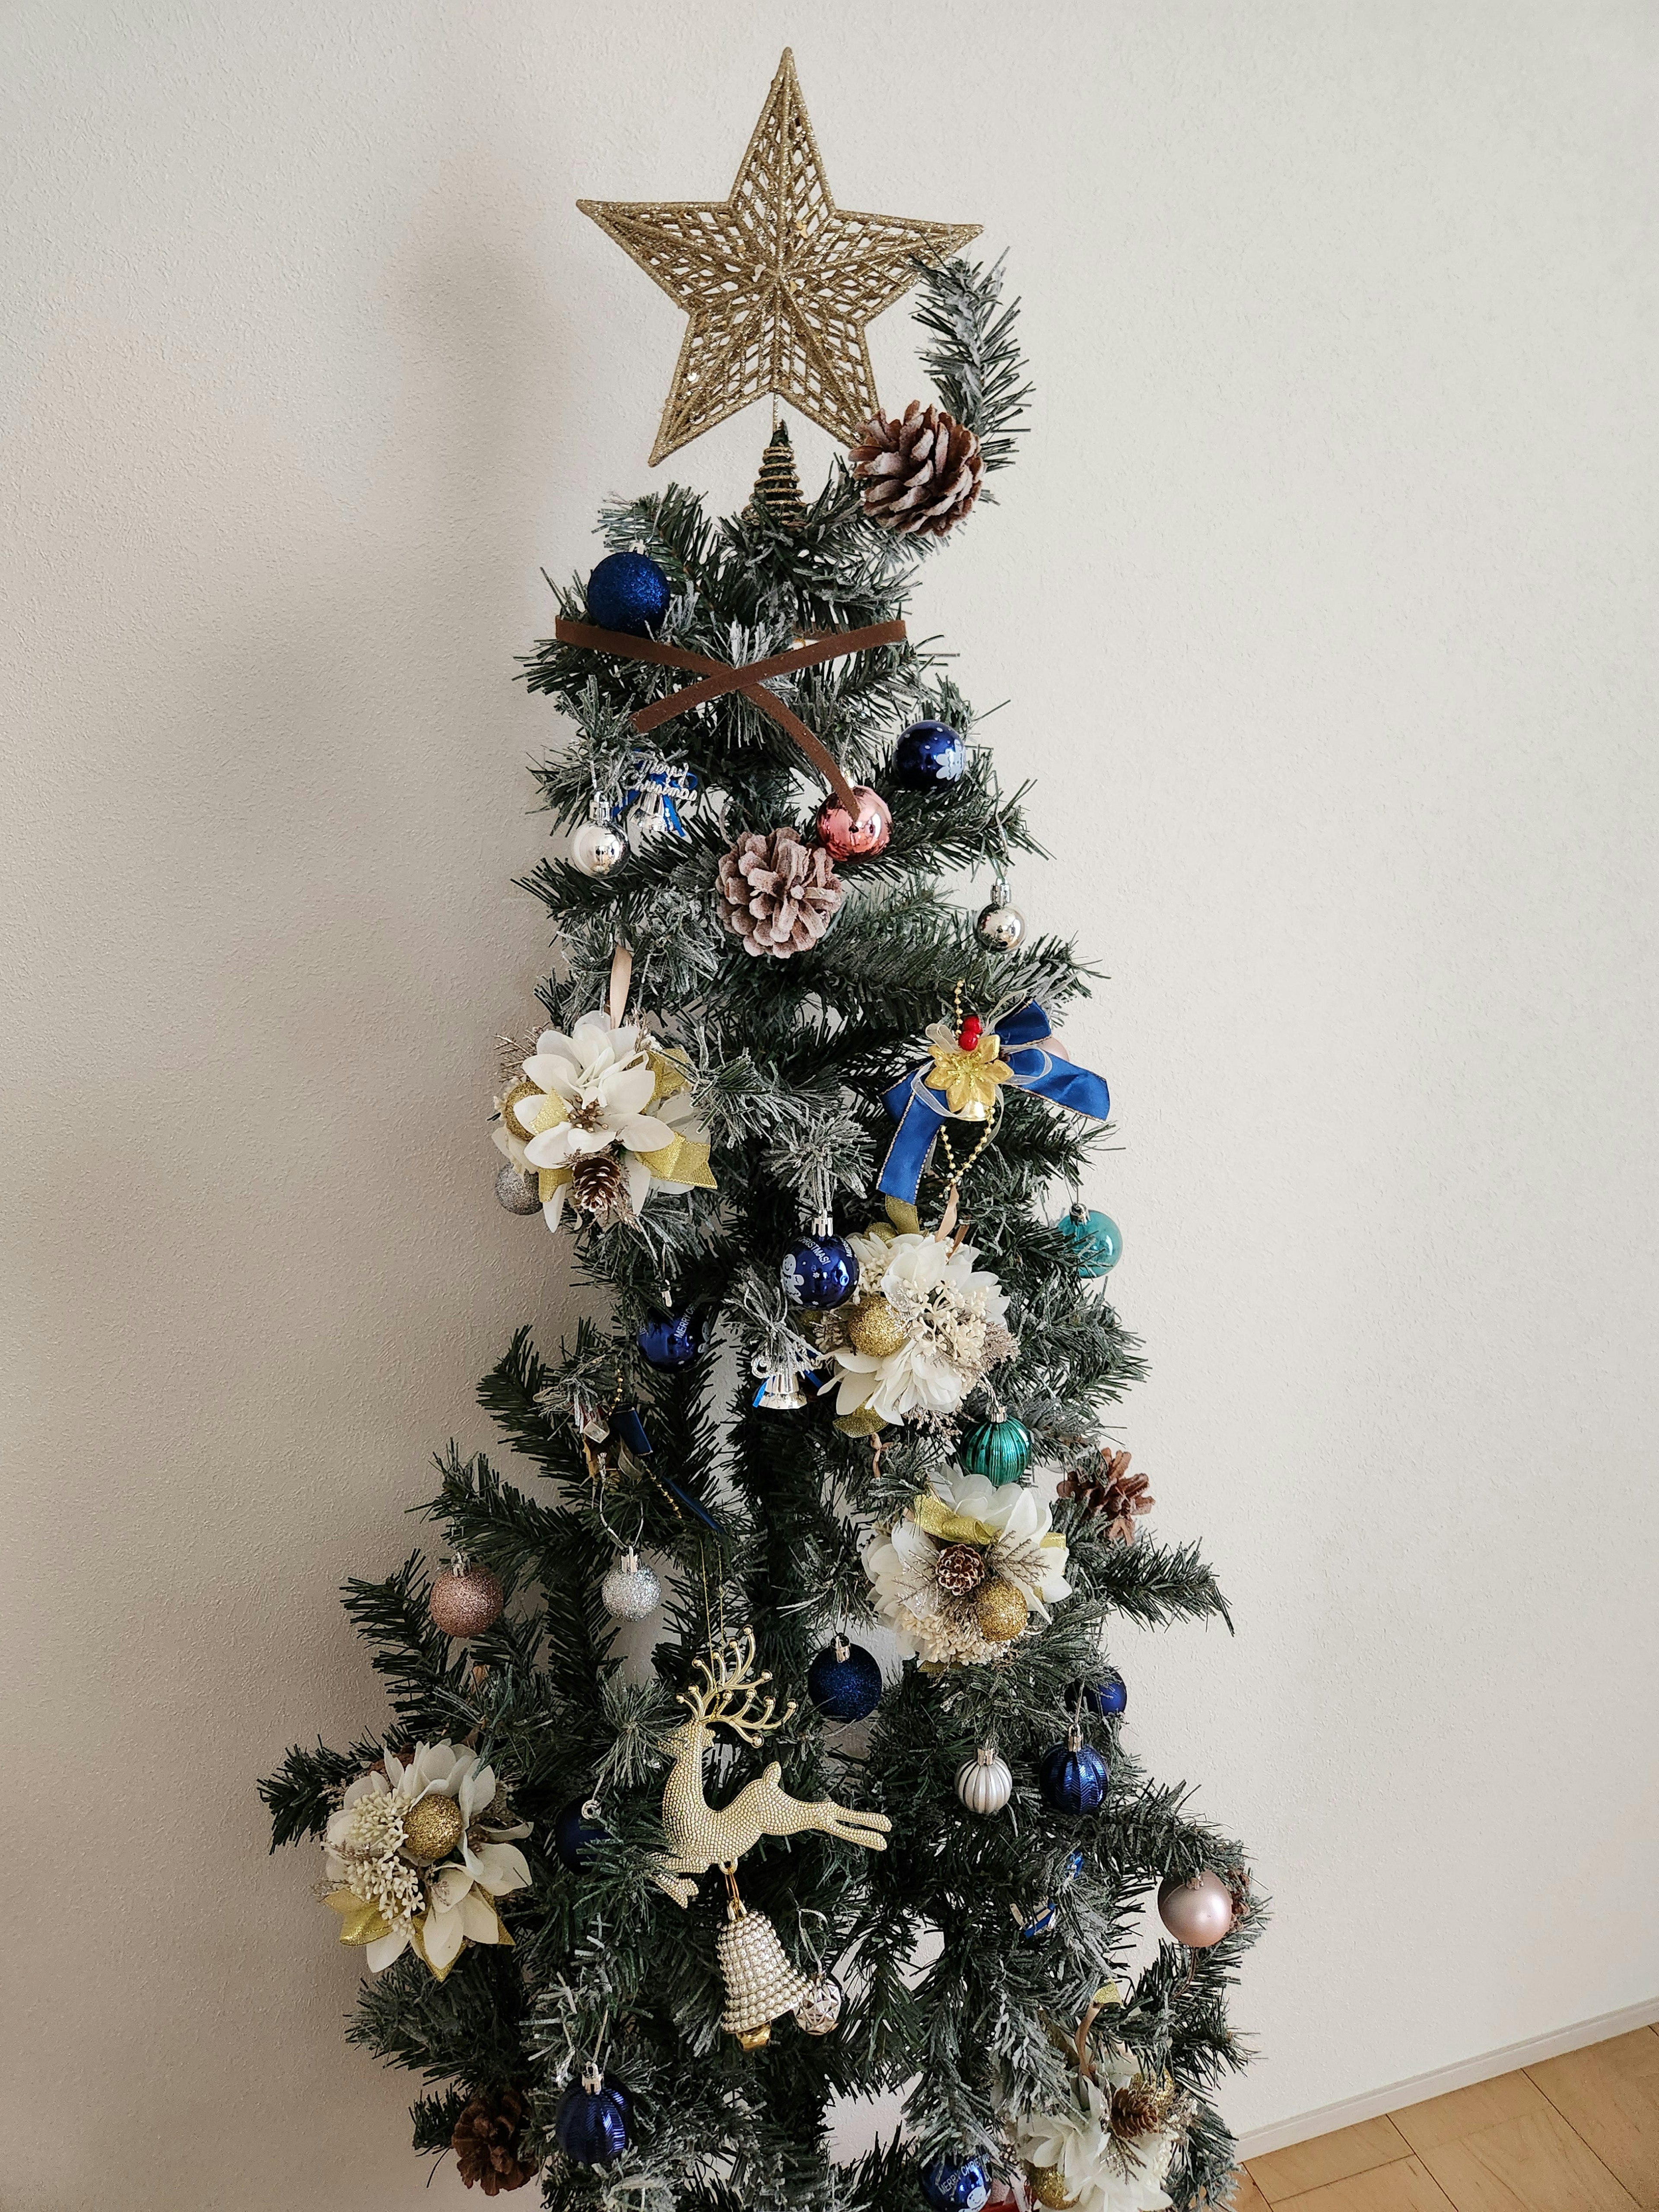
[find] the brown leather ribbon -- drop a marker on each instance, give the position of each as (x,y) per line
(719,676)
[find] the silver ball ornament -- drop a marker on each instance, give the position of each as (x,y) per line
(518,1192)
(1197,1909)
(985,1785)
(596,848)
(1000,925)
(630,1591)
(820,2008)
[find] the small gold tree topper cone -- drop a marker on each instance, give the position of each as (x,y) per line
(780,283)
(699,1835)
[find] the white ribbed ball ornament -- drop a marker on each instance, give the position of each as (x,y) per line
(630,1591)
(596,848)
(984,1783)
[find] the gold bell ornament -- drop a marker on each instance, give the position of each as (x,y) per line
(761,1984)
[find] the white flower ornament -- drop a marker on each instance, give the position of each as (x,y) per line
(391,1893)
(951,1315)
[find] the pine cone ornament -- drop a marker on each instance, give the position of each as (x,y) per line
(1107,1491)
(777,894)
(485,2141)
(920,471)
(598,1186)
(960,1569)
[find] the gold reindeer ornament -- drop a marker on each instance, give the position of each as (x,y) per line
(698,1835)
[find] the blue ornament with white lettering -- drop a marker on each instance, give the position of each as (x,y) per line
(1073,1776)
(672,1340)
(956,2185)
(628,591)
(577,1831)
(1096,1240)
(929,753)
(591,2123)
(820,1271)
(844,1681)
(1043,1917)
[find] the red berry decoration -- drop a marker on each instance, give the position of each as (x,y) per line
(847,836)
(466,1600)
(971,1032)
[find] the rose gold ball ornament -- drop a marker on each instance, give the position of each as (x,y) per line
(1196,1908)
(466,1600)
(847,836)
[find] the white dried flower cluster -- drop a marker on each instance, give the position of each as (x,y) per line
(395,1887)
(1100,2172)
(952,1316)
(1013,1532)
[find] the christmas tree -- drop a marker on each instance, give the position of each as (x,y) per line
(640,1921)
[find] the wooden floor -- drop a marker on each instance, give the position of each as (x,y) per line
(1578,2134)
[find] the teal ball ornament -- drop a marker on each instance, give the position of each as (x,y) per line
(1096,1240)
(628,591)
(1000,1450)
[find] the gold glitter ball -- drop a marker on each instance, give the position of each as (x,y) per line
(432,1829)
(1000,1612)
(1048,2187)
(510,1097)
(875,1328)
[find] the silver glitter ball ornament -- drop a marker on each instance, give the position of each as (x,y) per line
(1000,925)
(630,1591)
(518,1192)
(597,846)
(820,2008)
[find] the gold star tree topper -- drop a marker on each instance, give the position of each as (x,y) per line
(780,283)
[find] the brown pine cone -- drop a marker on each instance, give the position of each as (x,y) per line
(1140,2107)
(778,894)
(1107,1491)
(960,1568)
(920,472)
(485,2141)
(598,1186)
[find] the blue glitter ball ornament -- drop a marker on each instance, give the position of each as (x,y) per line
(628,591)
(956,2185)
(820,1272)
(1096,1240)
(673,1340)
(999,1450)
(844,1683)
(1074,1777)
(575,1833)
(1107,1697)
(591,2123)
(929,753)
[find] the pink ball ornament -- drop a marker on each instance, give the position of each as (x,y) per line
(1196,1908)
(847,836)
(465,1601)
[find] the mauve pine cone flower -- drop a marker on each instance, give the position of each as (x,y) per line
(776,894)
(1107,1491)
(920,472)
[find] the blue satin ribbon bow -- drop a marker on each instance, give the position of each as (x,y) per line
(920,1110)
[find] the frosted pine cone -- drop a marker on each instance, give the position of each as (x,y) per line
(920,472)
(776,894)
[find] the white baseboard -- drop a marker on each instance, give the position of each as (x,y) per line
(1461,2075)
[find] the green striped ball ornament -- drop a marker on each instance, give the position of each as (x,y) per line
(999,1450)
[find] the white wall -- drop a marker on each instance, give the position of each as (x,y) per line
(1323,600)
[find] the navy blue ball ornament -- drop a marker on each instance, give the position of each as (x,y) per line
(820,1271)
(929,753)
(591,2123)
(956,2185)
(1096,1240)
(628,591)
(576,1830)
(844,1681)
(1107,1697)
(1073,1776)
(671,1340)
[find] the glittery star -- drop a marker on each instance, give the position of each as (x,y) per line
(778,282)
